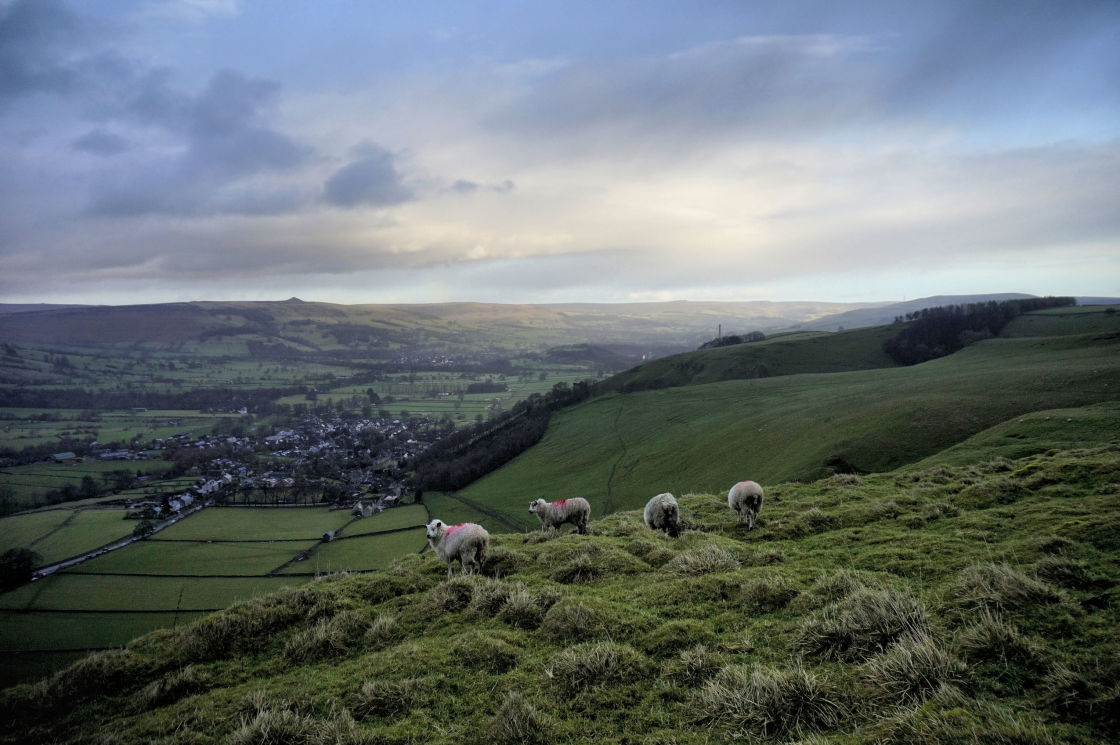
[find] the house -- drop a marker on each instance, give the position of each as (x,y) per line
(65,457)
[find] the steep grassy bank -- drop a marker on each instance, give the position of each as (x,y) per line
(952,604)
(618,450)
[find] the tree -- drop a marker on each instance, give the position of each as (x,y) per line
(143,529)
(16,565)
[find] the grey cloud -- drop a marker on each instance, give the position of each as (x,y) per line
(370,181)
(463,186)
(100,142)
(34,35)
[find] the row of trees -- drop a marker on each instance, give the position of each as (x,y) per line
(936,332)
(730,339)
(457,460)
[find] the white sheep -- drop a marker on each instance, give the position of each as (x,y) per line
(746,499)
(576,511)
(467,542)
(662,513)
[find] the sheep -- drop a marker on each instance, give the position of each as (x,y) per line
(467,542)
(746,499)
(576,511)
(662,513)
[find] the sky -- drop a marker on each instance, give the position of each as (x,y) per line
(530,152)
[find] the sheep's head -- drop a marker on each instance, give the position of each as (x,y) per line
(436,528)
(536,505)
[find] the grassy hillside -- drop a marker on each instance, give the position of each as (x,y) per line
(952,604)
(618,450)
(810,352)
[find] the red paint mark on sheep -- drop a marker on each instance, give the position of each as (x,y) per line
(560,503)
(452,528)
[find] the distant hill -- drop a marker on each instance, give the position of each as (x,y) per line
(307,326)
(880,314)
(30,307)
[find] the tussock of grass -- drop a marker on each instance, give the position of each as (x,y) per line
(1001,587)
(767,701)
(650,552)
(384,630)
(768,594)
(861,624)
(673,636)
(1064,571)
(912,668)
(596,664)
(329,637)
(705,560)
(694,666)
(991,638)
(283,726)
(829,588)
(451,596)
(520,723)
(845,479)
(1066,691)
(389,698)
(572,620)
(484,651)
(1054,544)
(112,670)
(502,562)
(172,687)
(886,509)
(525,610)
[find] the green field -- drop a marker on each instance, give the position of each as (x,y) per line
(406,516)
(361,553)
(256,524)
(164,557)
(619,450)
(21,531)
(47,631)
(31,483)
(89,529)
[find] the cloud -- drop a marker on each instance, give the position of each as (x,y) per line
(464,186)
(100,142)
(370,181)
(35,36)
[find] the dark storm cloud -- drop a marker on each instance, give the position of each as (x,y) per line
(370,181)
(100,142)
(34,38)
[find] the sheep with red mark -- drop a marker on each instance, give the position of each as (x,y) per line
(576,511)
(746,499)
(663,513)
(467,542)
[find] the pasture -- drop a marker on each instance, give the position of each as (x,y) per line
(361,553)
(31,484)
(407,516)
(257,524)
(159,557)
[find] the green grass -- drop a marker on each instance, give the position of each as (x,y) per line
(903,607)
(89,529)
(406,516)
(100,592)
(619,450)
(20,531)
(31,483)
(155,557)
(361,553)
(256,523)
(47,631)
(1066,321)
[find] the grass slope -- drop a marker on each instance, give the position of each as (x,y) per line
(811,352)
(955,604)
(618,450)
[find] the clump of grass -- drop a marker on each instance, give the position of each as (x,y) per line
(886,509)
(453,595)
(283,725)
(596,664)
(572,620)
(582,568)
(705,560)
(172,687)
(650,552)
(940,510)
(377,587)
(774,703)
(1001,587)
(673,636)
(845,479)
(1066,691)
(485,651)
(502,562)
(991,638)
(1064,571)
(520,723)
(389,698)
(912,668)
(93,675)
(861,624)
(1054,544)
(766,557)
(949,717)
(1000,490)
(768,594)
(524,610)
(329,637)
(829,588)
(694,666)
(384,630)
(489,595)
